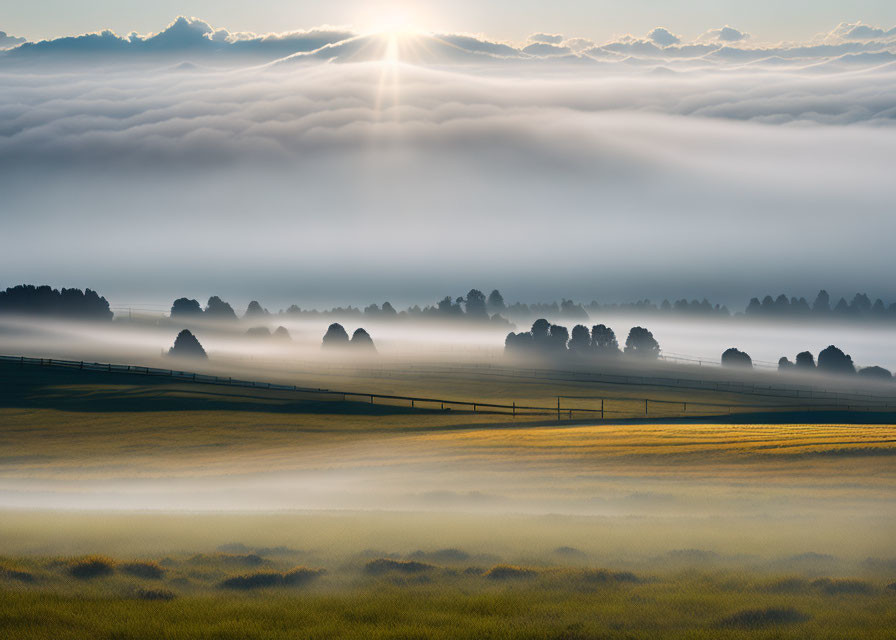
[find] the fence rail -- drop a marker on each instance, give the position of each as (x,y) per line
(624,405)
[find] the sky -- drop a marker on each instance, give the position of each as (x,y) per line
(503,19)
(335,166)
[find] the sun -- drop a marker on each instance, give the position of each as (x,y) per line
(398,20)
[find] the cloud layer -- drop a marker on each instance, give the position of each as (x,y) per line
(431,161)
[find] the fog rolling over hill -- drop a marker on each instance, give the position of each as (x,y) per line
(653,166)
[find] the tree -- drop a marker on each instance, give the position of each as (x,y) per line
(187,346)
(641,344)
(258,332)
(281,334)
(475,304)
(540,330)
(805,360)
(755,307)
(833,360)
(559,337)
(603,341)
(185,307)
(43,300)
(335,337)
(495,302)
(822,302)
(876,373)
(516,343)
(255,310)
(736,358)
(218,309)
(580,342)
(362,341)
(388,310)
(784,364)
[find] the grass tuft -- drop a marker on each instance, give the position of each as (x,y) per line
(265,579)
(604,576)
(144,569)
(91,567)
(154,594)
(758,618)
(843,586)
(387,565)
(509,572)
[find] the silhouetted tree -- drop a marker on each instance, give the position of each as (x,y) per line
(517,343)
(833,360)
(559,337)
(28,299)
(281,334)
(541,333)
(755,307)
(641,344)
(876,373)
(187,346)
(495,303)
(603,341)
(185,307)
(580,342)
(388,310)
(335,337)
(255,310)
(362,341)
(475,304)
(736,358)
(784,364)
(218,309)
(822,302)
(805,360)
(448,307)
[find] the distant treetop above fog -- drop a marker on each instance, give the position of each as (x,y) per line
(185,307)
(736,358)
(43,300)
(187,346)
(217,308)
(336,338)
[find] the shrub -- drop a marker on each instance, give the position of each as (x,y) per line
(508,572)
(842,586)
(736,358)
(301,575)
(142,569)
(154,594)
(263,579)
(13,573)
(386,565)
(91,567)
(756,618)
(604,576)
(257,580)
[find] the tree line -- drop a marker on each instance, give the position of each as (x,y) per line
(600,341)
(43,300)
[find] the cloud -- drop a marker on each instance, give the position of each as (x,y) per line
(549,38)
(8,41)
(664,37)
(860,31)
(725,34)
(545,49)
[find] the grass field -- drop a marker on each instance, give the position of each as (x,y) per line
(201,502)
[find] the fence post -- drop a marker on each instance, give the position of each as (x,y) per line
(645,407)
(371,399)
(601,408)
(558,407)
(514,408)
